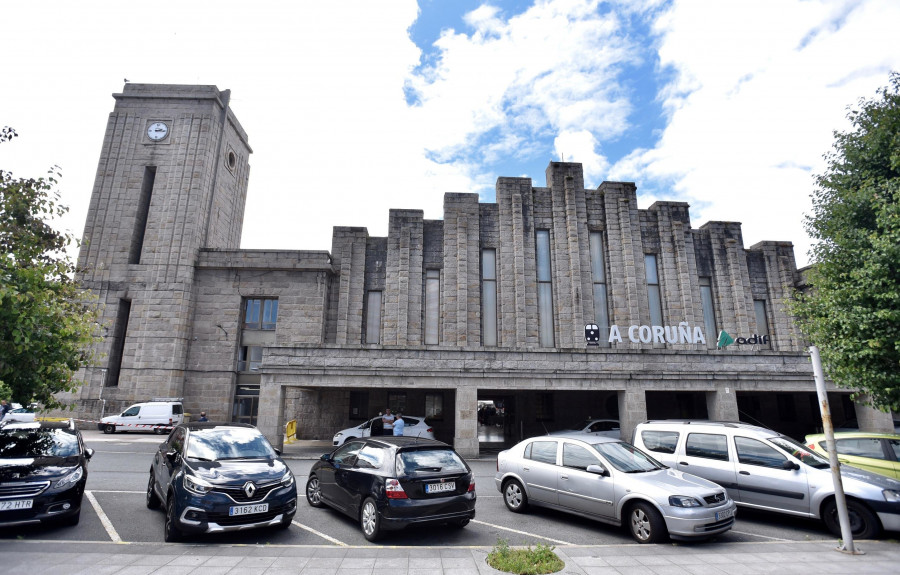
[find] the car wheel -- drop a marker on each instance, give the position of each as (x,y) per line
(514,496)
(369,520)
(152,499)
(646,524)
(110,428)
(863,523)
(172,533)
(157,430)
(314,492)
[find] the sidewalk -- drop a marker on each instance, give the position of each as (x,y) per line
(91,558)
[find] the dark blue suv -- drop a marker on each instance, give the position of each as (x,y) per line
(215,477)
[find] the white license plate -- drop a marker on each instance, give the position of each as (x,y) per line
(16,504)
(724,514)
(440,487)
(248,509)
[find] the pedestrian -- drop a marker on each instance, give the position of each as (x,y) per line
(203,416)
(399,424)
(388,421)
(4,408)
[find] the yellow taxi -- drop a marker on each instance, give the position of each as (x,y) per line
(876,452)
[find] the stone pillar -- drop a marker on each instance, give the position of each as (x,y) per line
(721,405)
(874,420)
(271,412)
(465,438)
(632,410)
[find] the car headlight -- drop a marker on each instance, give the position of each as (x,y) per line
(338,434)
(288,479)
(683,501)
(71,479)
(197,485)
(891,495)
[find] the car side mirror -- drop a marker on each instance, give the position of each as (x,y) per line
(326,457)
(88,453)
(598,469)
(790,465)
(277,451)
(172,456)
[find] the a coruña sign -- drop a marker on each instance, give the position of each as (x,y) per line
(682,333)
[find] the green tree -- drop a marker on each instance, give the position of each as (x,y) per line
(46,321)
(852,311)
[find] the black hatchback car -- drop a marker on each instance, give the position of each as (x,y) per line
(214,478)
(387,483)
(43,471)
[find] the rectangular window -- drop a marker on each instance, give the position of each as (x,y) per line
(543,451)
(373,317)
(653,294)
(709,311)
(545,288)
(707,446)
(762,322)
(250,358)
(489,297)
(543,407)
(117,349)
(260,313)
(432,306)
(246,404)
(434,406)
(140,216)
(397,401)
(598,277)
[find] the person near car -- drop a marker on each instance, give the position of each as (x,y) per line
(4,408)
(203,416)
(388,421)
(399,424)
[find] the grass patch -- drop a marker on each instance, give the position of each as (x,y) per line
(529,561)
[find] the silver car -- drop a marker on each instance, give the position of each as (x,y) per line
(613,482)
(765,470)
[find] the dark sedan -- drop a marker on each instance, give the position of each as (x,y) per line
(215,478)
(43,470)
(388,483)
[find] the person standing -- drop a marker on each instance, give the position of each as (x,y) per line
(202,416)
(399,424)
(4,408)
(388,421)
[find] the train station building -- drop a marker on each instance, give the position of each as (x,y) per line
(554,304)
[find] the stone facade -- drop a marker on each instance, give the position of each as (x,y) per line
(162,253)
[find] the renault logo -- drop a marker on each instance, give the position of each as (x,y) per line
(249,489)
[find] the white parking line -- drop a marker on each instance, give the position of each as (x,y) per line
(320,534)
(756,535)
(107,524)
(521,532)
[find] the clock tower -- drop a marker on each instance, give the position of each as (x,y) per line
(172,180)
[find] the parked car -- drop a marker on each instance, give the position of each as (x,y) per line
(213,478)
(388,483)
(158,416)
(595,427)
(766,470)
(853,425)
(415,427)
(613,482)
(43,471)
(19,414)
(875,452)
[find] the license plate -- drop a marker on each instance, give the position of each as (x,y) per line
(248,509)
(440,487)
(724,514)
(16,504)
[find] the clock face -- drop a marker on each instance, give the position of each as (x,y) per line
(157,131)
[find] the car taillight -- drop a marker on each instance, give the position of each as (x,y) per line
(812,446)
(394,490)
(472,486)
(430,430)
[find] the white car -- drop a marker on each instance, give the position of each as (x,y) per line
(415,427)
(595,427)
(20,414)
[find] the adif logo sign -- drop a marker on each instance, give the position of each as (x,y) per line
(725,340)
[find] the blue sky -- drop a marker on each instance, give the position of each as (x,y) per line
(355,107)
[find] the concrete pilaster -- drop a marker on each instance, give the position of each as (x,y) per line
(721,405)
(270,420)
(874,420)
(632,410)
(465,440)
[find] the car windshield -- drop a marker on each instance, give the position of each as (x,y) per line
(800,451)
(429,461)
(626,457)
(18,443)
(215,444)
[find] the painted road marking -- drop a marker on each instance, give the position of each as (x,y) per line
(320,534)
(107,524)
(763,536)
(521,532)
